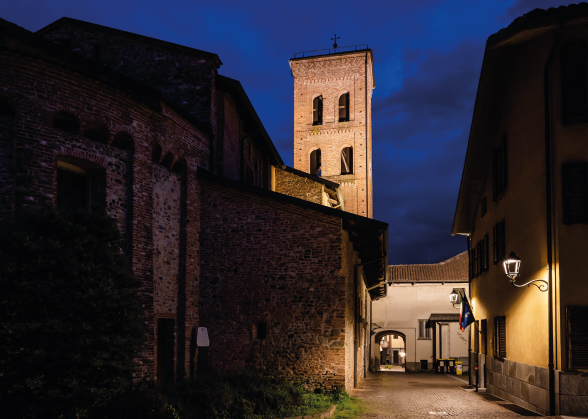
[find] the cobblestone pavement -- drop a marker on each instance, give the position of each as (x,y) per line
(404,395)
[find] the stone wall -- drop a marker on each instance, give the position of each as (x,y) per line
(267,261)
(527,386)
(290,184)
(37,89)
(184,75)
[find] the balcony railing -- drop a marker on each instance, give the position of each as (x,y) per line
(326,51)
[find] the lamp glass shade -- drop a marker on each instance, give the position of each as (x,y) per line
(512,265)
(453,298)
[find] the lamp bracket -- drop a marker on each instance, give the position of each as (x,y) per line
(544,286)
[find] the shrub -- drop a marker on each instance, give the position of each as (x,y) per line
(70,315)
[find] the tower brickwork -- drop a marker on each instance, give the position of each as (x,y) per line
(332,122)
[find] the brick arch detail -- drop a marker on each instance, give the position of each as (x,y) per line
(82,155)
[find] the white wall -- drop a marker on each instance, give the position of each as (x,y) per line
(401,310)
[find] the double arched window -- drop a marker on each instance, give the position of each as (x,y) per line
(317,110)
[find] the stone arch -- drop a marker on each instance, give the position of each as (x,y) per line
(380,334)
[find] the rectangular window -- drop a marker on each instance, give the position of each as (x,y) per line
(261,330)
(424,331)
(498,242)
(317,110)
(499,169)
(483,254)
(575,192)
(500,337)
(574,83)
(577,333)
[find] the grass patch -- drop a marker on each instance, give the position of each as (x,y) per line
(348,407)
(247,396)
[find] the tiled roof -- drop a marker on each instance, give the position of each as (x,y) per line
(450,270)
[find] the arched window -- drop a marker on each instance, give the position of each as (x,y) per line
(317,111)
(344,107)
(315,162)
(347,161)
(98,133)
(67,122)
(123,140)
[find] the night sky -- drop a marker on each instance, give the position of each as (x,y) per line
(427,60)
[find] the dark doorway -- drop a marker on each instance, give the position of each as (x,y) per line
(424,364)
(165,351)
(395,361)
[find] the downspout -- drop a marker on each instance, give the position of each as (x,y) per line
(548,213)
(469,245)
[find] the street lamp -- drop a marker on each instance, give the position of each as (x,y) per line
(454,297)
(512,267)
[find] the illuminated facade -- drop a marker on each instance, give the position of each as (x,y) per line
(525,189)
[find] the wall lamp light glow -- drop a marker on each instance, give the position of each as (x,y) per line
(512,267)
(455,296)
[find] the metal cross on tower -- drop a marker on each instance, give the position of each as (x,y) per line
(335,40)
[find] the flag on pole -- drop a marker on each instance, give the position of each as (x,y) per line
(466,317)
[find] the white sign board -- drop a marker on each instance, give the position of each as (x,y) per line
(202,339)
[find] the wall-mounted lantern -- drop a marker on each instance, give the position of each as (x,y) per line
(455,296)
(512,267)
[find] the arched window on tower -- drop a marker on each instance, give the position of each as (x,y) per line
(81,185)
(315,162)
(317,111)
(344,107)
(347,161)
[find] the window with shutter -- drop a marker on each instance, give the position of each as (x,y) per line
(577,331)
(424,331)
(483,255)
(499,169)
(317,111)
(498,242)
(500,337)
(575,192)
(344,107)
(574,83)
(347,161)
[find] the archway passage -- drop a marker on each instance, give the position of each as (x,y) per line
(392,351)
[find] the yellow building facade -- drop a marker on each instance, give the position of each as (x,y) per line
(524,189)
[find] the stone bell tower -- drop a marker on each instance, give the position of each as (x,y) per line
(332,121)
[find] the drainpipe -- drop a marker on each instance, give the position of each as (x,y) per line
(469,246)
(549,210)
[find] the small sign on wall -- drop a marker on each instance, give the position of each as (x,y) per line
(202,338)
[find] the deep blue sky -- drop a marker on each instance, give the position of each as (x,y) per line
(427,60)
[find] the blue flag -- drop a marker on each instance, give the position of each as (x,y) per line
(466,317)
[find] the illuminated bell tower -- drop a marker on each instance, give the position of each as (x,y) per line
(332,121)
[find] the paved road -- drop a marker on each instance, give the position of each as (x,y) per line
(404,395)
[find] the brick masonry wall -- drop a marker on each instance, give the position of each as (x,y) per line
(297,186)
(186,78)
(274,263)
(37,89)
(330,76)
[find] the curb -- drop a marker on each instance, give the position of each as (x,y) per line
(328,414)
